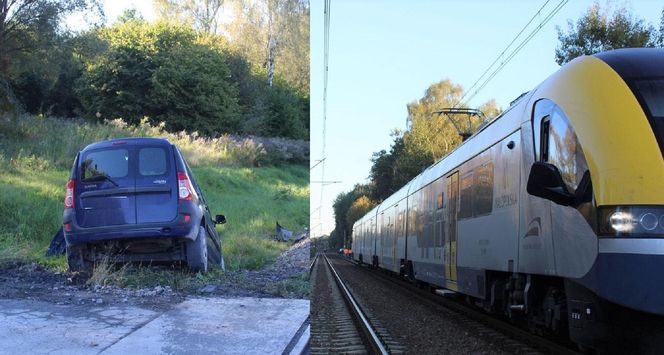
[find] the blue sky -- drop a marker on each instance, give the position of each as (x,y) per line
(384,54)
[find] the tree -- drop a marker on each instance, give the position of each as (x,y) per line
(274,36)
(598,31)
(28,25)
(203,15)
(343,229)
(358,208)
(430,138)
(267,46)
(164,71)
(383,169)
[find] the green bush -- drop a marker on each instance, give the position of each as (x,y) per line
(162,71)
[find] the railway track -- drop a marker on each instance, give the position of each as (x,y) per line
(339,325)
(512,338)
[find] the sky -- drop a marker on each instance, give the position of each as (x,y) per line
(385,54)
(115,8)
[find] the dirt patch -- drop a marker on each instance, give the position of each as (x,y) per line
(286,277)
(31,281)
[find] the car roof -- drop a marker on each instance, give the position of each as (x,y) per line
(127,142)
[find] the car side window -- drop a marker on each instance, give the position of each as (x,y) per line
(556,143)
(152,161)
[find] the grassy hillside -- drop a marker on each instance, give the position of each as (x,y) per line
(36,155)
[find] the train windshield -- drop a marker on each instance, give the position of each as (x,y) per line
(651,95)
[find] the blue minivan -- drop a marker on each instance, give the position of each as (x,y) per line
(136,200)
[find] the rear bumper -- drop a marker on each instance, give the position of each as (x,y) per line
(176,228)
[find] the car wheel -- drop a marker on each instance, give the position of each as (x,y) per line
(197,252)
(76,261)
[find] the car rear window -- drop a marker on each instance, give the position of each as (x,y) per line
(113,163)
(152,161)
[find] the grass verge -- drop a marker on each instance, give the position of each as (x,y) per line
(35,169)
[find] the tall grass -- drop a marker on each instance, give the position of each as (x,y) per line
(253,200)
(36,155)
(58,140)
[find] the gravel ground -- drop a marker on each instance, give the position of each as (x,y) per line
(420,328)
(32,281)
(273,279)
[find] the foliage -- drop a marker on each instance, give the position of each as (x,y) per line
(162,71)
(27,26)
(359,208)
(36,53)
(202,15)
(43,136)
(430,138)
(598,31)
(183,74)
(272,35)
(343,218)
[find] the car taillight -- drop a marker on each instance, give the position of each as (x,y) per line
(69,195)
(185,192)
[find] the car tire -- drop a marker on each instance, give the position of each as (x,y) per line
(76,261)
(197,252)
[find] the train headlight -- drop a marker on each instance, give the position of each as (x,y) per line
(625,221)
(621,221)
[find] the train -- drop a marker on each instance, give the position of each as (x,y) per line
(551,213)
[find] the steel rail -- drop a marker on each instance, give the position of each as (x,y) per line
(372,337)
(311,265)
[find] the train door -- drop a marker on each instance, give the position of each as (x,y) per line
(395,233)
(382,236)
(439,227)
(451,242)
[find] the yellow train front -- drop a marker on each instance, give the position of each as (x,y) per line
(552,213)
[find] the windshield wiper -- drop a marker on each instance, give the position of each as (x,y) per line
(99,178)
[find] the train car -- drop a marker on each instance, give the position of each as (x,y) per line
(552,212)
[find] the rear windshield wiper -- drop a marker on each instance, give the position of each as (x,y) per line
(99,178)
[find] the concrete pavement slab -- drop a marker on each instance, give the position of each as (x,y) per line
(35,327)
(195,326)
(219,326)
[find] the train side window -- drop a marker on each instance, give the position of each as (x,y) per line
(541,112)
(564,150)
(483,190)
(556,143)
(544,138)
(466,203)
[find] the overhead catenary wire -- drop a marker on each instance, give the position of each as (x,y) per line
(482,83)
(501,54)
(326,58)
